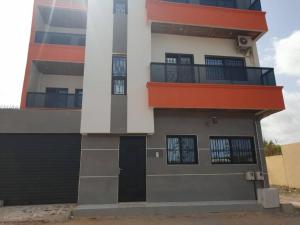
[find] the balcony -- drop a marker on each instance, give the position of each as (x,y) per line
(206,74)
(59,38)
(54,101)
(206,18)
(214,87)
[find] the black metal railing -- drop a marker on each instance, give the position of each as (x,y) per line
(52,100)
(241,4)
(59,38)
(164,72)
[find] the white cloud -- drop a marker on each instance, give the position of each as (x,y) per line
(284,127)
(298,82)
(287,55)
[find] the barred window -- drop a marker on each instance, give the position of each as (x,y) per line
(119,75)
(182,150)
(232,150)
(119,67)
(120,6)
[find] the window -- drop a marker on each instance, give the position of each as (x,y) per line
(232,150)
(226,68)
(179,68)
(120,6)
(119,75)
(182,150)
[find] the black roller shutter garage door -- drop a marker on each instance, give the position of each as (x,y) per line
(39,168)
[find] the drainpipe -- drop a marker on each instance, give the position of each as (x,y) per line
(261,154)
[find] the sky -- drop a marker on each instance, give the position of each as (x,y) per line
(279,48)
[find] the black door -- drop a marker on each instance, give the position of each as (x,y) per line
(132,163)
(180,68)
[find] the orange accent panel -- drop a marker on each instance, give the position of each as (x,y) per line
(215,96)
(206,16)
(60,53)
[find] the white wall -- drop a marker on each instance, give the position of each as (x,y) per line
(140,118)
(98,63)
(198,46)
(60,81)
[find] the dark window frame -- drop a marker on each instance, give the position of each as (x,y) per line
(196,158)
(122,77)
(232,160)
(224,58)
(178,56)
(126,7)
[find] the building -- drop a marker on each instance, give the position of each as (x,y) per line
(161,98)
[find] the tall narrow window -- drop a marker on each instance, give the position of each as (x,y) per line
(119,75)
(182,150)
(120,6)
(232,150)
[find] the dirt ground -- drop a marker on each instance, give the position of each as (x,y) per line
(200,219)
(60,214)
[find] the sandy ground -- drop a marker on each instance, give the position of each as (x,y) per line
(200,219)
(290,196)
(60,215)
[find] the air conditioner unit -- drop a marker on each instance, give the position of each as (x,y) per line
(250,176)
(244,42)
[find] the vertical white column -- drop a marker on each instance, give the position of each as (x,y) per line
(98,63)
(140,118)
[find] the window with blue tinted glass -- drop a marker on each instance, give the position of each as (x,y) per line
(119,75)
(182,149)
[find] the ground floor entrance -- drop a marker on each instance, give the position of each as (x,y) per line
(132,163)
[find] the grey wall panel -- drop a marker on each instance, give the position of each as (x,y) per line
(120,34)
(98,190)
(94,141)
(118,122)
(199,188)
(39,121)
(213,182)
(99,163)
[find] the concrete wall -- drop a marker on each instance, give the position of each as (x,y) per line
(200,182)
(39,121)
(198,46)
(284,170)
(276,170)
(203,181)
(96,106)
(99,170)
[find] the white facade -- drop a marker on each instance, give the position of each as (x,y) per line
(96,105)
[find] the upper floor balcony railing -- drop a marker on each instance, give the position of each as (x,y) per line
(208,74)
(237,4)
(59,38)
(52,100)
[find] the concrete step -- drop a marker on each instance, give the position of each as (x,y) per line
(164,208)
